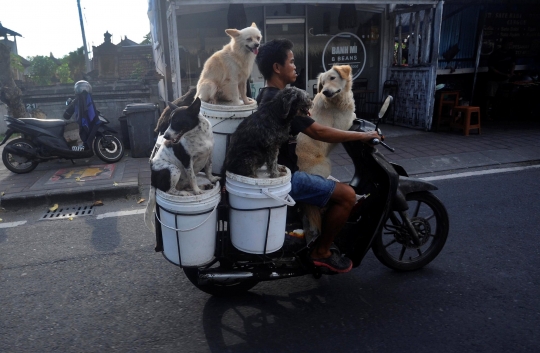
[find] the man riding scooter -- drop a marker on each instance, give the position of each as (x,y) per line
(87,116)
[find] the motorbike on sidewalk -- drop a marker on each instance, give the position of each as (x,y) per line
(399,219)
(43,140)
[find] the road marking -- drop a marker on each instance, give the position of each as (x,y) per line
(120,213)
(11,224)
(479,172)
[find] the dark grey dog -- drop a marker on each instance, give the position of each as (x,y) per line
(258,138)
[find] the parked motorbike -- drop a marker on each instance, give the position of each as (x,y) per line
(400,220)
(43,140)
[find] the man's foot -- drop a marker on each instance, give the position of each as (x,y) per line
(335,263)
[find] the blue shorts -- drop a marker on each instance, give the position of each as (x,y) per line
(312,189)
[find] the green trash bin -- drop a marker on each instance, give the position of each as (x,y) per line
(141,121)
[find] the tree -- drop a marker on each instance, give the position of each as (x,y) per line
(16,63)
(76,64)
(147,39)
(10,94)
(43,69)
(63,73)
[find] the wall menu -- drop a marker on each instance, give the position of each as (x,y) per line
(522,27)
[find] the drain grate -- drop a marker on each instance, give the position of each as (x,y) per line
(67,212)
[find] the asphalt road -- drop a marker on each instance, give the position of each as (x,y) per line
(96,285)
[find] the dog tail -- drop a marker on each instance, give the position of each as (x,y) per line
(149,218)
(313,215)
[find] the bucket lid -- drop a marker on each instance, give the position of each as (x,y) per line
(201,180)
(228,108)
(139,107)
(263,178)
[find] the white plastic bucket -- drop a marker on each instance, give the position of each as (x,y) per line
(188,226)
(258,211)
(224,120)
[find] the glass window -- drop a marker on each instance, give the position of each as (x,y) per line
(323,43)
(200,34)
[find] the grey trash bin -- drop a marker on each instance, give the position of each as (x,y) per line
(141,121)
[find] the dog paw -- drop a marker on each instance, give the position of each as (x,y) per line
(206,186)
(198,192)
(249,101)
(213,180)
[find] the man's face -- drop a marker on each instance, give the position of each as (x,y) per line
(287,71)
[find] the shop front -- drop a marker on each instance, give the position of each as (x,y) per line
(361,34)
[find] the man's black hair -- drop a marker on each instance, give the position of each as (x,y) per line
(274,51)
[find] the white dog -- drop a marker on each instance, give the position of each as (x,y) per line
(225,74)
(186,151)
(332,106)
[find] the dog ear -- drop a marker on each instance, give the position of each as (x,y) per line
(253,24)
(343,70)
(233,33)
(172,107)
(320,83)
(195,107)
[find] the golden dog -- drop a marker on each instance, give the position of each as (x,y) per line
(332,106)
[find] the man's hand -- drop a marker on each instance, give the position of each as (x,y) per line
(368,136)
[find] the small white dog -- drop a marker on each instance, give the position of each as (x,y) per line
(186,151)
(224,76)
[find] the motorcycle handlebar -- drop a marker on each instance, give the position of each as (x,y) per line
(379,142)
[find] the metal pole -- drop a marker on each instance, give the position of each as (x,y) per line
(478,51)
(85,48)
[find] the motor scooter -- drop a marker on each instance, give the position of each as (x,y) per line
(404,224)
(43,140)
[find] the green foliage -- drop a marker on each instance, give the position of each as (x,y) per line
(63,73)
(15,62)
(76,64)
(138,71)
(147,39)
(43,69)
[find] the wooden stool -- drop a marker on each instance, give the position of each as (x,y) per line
(446,101)
(463,122)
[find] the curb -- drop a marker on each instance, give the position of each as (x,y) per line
(69,195)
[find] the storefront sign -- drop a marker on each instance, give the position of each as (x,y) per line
(345,49)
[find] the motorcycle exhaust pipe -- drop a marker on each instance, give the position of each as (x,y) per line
(20,151)
(225,278)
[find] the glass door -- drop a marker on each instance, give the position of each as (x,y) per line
(293,29)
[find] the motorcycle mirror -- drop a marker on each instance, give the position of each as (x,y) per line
(69,100)
(384,107)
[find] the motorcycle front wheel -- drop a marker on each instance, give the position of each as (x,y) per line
(19,164)
(219,290)
(395,248)
(108,148)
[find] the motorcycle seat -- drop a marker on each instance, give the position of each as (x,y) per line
(45,123)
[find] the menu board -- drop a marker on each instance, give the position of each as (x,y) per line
(522,27)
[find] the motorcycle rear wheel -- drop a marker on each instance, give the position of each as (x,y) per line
(219,290)
(394,247)
(18,164)
(109,148)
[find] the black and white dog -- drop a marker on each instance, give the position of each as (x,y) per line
(258,138)
(186,151)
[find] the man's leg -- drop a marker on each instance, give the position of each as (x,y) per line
(341,203)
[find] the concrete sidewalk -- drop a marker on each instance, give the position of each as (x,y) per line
(420,153)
